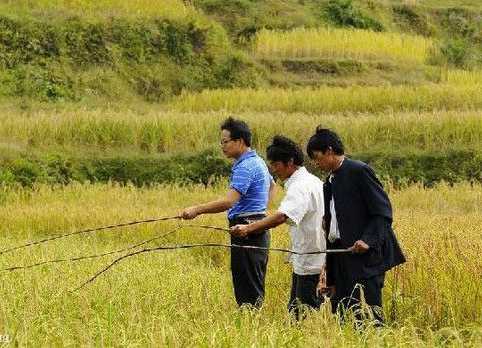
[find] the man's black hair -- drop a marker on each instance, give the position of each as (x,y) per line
(237,129)
(323,140)
(284,149)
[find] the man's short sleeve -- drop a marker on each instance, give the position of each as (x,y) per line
(294,205)
(240,180)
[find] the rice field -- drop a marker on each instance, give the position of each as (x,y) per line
(342,43)
(156,130)
(184,298)
(334,99)
(462,77)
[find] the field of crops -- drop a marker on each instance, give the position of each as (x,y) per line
(342,43)
(335,99)
(96,131)
(184,298)
(157,130)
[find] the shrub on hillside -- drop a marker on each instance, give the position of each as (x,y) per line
(344,14)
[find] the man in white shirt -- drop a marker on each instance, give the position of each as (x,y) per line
(302,208)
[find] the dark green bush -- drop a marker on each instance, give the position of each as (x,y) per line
(457,52)
(427,168)
(344,14)
(400,168)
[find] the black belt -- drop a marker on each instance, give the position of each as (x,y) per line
(245,219)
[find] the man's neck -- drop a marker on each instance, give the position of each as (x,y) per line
(243,151)
(292,171)
(338,162)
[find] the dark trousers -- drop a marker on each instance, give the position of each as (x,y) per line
(348,290)
(303,292)
(248,266)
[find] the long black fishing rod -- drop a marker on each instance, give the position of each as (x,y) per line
(204,245)
(79,258)
(59,236)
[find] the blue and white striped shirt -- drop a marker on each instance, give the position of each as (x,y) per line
(251,178)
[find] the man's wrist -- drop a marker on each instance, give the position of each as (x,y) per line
(367,243)
(249,229)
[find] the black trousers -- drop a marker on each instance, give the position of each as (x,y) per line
(303,292)
(348,290)
(248,266)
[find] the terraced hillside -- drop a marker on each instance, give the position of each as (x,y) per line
(110,113)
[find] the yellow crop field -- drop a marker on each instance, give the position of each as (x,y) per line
(183,297)
(155,130)
(334,99)
(342,43)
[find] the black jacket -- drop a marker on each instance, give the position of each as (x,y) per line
(364,212)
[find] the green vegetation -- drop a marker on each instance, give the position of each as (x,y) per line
(402,167)
(344,14)
(154,58)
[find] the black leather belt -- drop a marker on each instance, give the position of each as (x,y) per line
(246,219)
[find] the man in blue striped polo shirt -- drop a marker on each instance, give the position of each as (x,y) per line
(249,191)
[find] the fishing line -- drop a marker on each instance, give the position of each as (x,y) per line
(59,236)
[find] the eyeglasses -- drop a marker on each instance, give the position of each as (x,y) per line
(225,141)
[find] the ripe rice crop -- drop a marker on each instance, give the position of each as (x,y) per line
(342,43)
(184,298)
(334,99)
(156,130)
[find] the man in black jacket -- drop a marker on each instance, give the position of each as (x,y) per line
(358,216)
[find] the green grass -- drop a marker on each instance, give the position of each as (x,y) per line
(171,9)
(472,4)
(184,298)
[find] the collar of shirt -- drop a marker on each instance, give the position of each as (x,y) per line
(296,174)
(332,174)
(247,154)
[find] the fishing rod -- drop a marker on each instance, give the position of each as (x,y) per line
(80,258)
(159,248)
(59,236)
(204,245)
